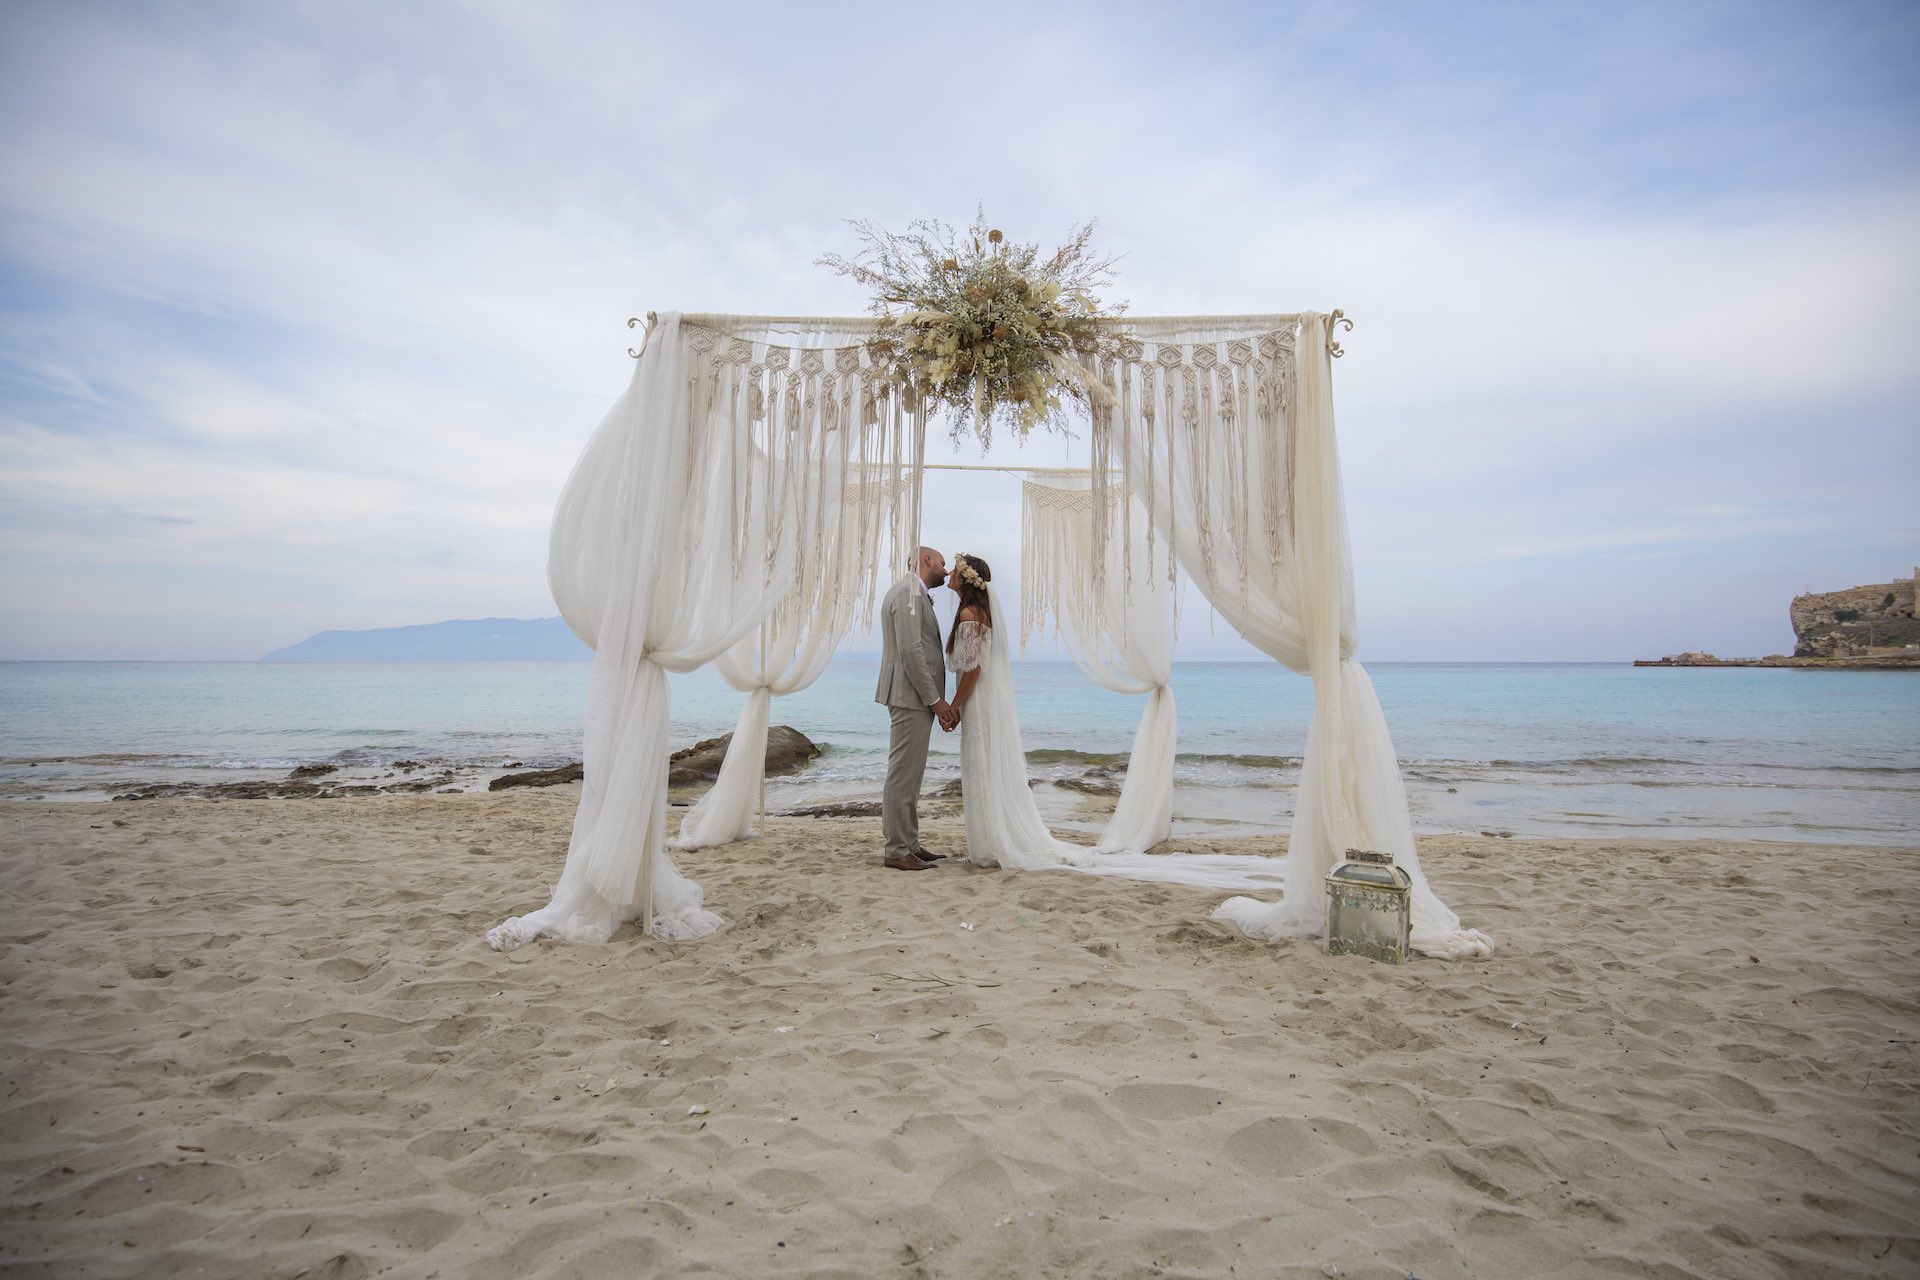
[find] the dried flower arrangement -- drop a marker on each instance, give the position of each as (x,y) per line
(987,328)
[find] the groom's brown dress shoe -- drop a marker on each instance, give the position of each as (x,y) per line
(928,855)
(907,862)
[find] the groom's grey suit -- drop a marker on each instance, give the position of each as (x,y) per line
(913,676)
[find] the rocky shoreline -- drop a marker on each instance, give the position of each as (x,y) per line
(308,782)
(788,751)
(1905,661)
(1866,628)
(690,771)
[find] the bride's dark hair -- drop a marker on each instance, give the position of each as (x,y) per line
(969,593)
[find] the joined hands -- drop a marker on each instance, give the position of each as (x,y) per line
(947,714)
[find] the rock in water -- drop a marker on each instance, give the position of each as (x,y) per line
(788,751)
(538,778)
(836,809)
(1097,781)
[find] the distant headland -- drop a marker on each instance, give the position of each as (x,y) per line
(1869,628)
(468,640)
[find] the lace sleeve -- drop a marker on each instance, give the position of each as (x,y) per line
(970,646)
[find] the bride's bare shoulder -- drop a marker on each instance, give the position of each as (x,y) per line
(973,613)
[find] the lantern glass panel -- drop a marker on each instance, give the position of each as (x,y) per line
(1371,873)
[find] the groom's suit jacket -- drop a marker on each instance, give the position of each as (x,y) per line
(913,671)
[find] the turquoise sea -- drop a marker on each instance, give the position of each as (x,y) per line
(1527,749)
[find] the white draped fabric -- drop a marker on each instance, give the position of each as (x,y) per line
(1120,632)
(680,530)
(1224,427)
(756,468)
(726,812)
(790,651)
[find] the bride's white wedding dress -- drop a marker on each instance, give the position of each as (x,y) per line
(1003,822)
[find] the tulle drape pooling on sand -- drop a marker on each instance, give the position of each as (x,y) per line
(679,532)
(1227,434)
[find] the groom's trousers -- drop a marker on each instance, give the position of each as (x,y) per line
(906,769)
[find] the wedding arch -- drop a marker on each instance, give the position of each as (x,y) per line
(759,482)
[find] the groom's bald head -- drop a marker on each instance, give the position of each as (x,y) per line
(933,567)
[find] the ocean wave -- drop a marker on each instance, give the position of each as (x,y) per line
(350,758)
(1599,762)
(1617,763)
(104,757)
(1068,755)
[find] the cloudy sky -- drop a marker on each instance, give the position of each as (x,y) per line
(306,309)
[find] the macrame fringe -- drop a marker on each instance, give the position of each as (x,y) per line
(798,413)
(1059,551)
(1193,404)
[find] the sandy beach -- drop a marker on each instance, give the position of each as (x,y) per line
(264,1038)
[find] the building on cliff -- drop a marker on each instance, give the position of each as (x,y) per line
(1836,624)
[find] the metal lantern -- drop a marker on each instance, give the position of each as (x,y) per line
(1368,906)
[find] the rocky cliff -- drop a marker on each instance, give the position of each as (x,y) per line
(1837,624)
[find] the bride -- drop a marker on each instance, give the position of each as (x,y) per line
(1003,823)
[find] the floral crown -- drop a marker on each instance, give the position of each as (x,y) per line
(968,573)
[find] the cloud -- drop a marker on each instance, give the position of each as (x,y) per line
(305,313)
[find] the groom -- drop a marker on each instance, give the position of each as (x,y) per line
(913,688)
